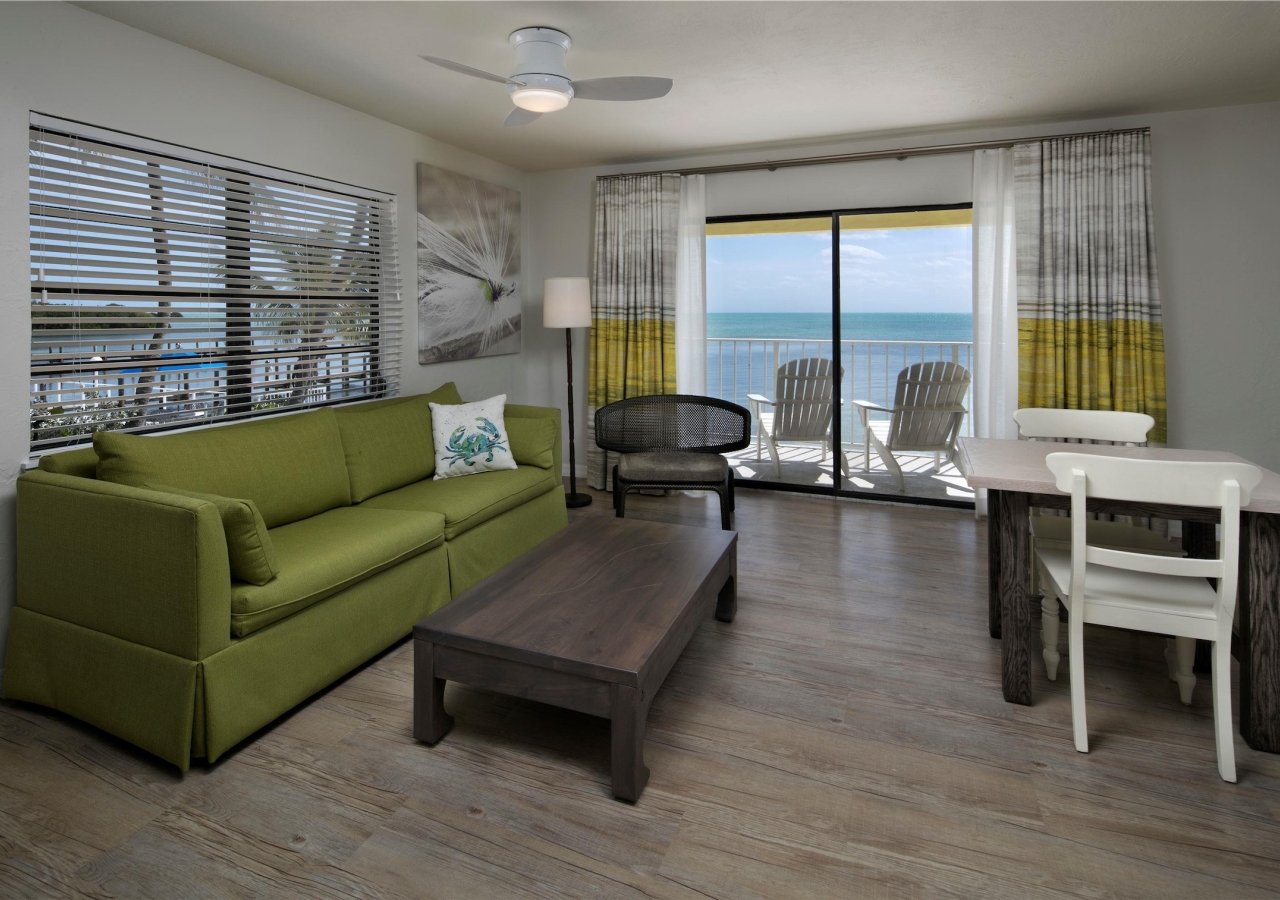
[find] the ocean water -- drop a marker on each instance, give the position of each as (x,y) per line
(876,326)
(744,351)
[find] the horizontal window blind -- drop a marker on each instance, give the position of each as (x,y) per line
(171,288)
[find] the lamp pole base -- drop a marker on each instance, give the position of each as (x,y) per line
(576,501)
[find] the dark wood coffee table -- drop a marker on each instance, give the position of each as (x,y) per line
(592,619)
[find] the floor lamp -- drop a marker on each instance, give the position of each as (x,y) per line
(566,303)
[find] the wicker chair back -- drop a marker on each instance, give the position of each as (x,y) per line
(682,422)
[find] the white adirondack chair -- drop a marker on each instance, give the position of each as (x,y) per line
(1151,592)
(800,410)
(1094,426)
(928,409)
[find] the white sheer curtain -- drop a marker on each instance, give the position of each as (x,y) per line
(691,287)
(995,300)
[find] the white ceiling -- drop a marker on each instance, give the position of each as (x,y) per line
(746,74)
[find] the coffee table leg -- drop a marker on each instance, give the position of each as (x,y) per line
(430,721)
(727,603)
(628,720)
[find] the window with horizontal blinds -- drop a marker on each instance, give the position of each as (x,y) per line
(171,287)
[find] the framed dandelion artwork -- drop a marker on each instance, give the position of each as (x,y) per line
(468,267)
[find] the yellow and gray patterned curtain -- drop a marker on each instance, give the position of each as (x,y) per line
(1090,333)
(633,297)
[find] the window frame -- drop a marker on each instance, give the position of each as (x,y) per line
(236,270)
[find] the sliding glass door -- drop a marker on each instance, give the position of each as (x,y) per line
(813,313)
(770,344)
(905,294)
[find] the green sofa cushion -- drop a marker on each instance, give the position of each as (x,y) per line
(321,555)
(533,441)
(292,467)
(468,502)
(249,548)
(81,461)
(388,443)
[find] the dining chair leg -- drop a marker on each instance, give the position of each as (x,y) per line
(1075,650)
(1222,710)
(1180,656)
(1049,625)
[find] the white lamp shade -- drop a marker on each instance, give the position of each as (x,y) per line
(566,303)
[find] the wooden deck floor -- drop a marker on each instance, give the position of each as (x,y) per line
(804,465)
(845,737)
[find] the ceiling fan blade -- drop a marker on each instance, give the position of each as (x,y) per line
(627,87)
(467,70)
(520,116)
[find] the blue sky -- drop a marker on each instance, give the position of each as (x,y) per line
(889,270)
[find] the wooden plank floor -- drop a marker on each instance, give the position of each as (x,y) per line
(845,737)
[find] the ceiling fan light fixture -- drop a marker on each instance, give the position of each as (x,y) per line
(539,82)
(541,93)
(541,100)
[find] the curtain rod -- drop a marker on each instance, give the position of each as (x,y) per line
(900,153)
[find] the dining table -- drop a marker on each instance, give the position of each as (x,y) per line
(1015,475)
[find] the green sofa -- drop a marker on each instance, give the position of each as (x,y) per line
(182,591)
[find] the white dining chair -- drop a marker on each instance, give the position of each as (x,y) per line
(1092,426)
(1146,591)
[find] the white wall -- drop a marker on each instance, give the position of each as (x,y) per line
(61,60)
(1216,186)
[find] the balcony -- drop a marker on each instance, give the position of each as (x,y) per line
(738,366)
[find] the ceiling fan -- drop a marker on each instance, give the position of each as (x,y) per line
(540,82)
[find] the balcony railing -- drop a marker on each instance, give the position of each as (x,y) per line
(738,366)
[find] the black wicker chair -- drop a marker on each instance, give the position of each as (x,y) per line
(673,441)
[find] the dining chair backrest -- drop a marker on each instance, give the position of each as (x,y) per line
(1224,486)
(928,405)
(1092,425)
(803,400)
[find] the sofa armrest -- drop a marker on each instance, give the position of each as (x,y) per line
(141,565)
(520,410)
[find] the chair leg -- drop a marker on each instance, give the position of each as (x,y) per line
(773,454)
(1179,656)
(866,441)
(1222,710)
(889,461)
(619,496)
(1075,650)
(1049,624)
(726,508)
(838,452)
